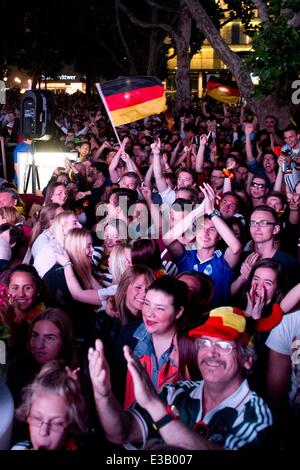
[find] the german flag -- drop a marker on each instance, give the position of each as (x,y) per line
(129,99)
(222,90)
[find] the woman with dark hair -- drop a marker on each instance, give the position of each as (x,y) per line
(265,288)
(157,337)
(50,336)
(56,193)
(26,293)
(146,251)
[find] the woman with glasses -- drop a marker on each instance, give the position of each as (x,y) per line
(54,409)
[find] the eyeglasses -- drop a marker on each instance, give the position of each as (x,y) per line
(57,426)
(258,185)
(221,346)
(260,223)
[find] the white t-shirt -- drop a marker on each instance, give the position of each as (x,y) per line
(285,339)
(168,196)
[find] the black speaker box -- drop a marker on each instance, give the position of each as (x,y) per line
(36,119)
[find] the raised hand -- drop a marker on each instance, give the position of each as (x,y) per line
(156,146)
(248,264)
(203,140)
(256,301)
(209,197)
(248,128)
(99,370)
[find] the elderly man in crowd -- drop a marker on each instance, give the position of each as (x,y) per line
(218,412)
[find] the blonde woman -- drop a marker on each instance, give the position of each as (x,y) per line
(90,291)
(45,258)
(9,215)
(40,233)
(71,296)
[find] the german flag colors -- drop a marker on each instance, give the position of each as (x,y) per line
(128,99)
(221,90)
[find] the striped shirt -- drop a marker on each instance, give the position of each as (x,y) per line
(241,421)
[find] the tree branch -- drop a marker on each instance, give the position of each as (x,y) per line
(262,10)
(125,45)
(294,22)
(144,24)
(161,7)
(230,58)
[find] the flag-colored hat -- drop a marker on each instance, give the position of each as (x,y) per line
(223,322)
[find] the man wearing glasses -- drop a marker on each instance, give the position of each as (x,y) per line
(264,228)
(258,190)
(218,412)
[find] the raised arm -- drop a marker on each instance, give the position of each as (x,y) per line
(170,238)
(201,153)
(119,426)
(234,247)
(87,296)
(291,299)
(175,433)
(160,180)
(249,151)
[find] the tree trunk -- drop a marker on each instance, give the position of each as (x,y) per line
(182,41)
(153,47)
(261,106)
(269,105)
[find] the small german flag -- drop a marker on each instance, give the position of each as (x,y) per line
(222,90)
(129,99)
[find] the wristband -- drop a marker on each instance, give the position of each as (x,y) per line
(67,263)
(228,173)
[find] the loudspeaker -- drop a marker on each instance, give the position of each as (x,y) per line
(36,119)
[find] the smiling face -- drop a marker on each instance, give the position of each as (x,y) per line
(89,246)
(136,293)
(184,180)
(207,235)
(22,290)
(265,279)
(159,314)
(228,206)
(59,195)
(261,233)
(47,421)
(45,341)
(221,368)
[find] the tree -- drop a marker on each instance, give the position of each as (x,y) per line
(174,19)
(272,58)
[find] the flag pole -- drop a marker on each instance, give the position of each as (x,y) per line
(98,86)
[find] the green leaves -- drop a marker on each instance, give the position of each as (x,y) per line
(274,52)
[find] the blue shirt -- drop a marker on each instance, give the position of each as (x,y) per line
(216,268)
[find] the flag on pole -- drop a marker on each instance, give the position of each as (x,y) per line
(222,90)
(128,99)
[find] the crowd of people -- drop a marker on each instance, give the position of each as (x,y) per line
(151,300)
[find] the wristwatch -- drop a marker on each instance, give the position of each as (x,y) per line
(213,213)
(172,413)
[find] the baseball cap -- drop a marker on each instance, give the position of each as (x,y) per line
(227,323)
